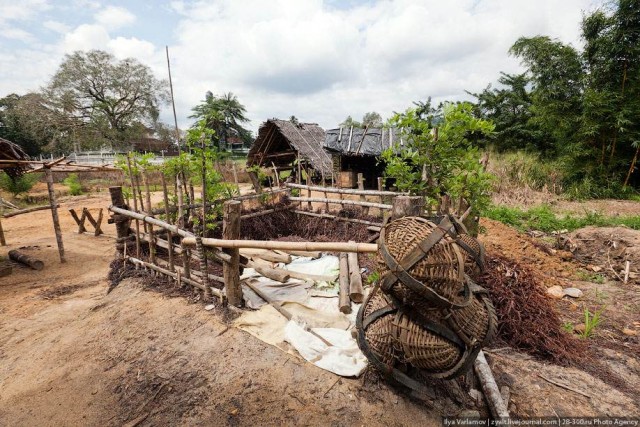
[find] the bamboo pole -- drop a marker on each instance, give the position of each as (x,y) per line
(152,245)
(166,272)
(356,293)
(54,214)
(363,198)
(302,246)
(356,192)
(231,270)
(28,210)
(135,205)
(309,207)
(166,212)
(344,302)
(341,202)
(338,218)
(180,219)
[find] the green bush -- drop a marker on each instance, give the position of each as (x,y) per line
(73,182)
(18,185)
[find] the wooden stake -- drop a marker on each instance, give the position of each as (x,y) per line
(356,293)
(180,219)
(490,388)
(3,242)
(380,183)
(235,175)
(204,191)
(231,270)
(344,303)
(186,261)
(54,214)
(122,222)
(135,205)
(79,221)
(365,210)
(309,207)
(166,212)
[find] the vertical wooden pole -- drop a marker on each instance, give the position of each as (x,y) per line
(309,206)
(180,219)
(186,261)
(152,237)
(203,194)
(355,278)
(235,175)
(203,268)
(299,170)
(54,213)
(166,213)
(231,270)
(380,183)
(365,210)
(122,223)
(2,241)
(343,300)
(135,206)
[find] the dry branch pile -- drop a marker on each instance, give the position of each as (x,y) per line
(527,319)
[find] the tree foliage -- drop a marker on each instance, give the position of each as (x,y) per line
(579,107)
(446,162)
(225,116)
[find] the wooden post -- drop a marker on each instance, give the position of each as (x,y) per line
(203,268)
(203,194)
(180,219)
(135,205)
(166,213)
(2,241)
(122,223)
(79,221)
(363,198)
(231,270)
(380,183)
(309,206)
(186,261)
(235,175)
(343,301)
(356,292)
(254,180)
(407,206)
(54,213)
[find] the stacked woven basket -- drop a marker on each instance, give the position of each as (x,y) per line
(426,313)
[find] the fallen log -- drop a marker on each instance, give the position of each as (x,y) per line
(343,302)
(24,211)
(490,388)
(25,259)
(356,293)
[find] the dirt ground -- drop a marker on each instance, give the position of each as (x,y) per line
(72,355)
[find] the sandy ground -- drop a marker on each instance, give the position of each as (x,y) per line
(72,355)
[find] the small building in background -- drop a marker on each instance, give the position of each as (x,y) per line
(357,150)
(283,144)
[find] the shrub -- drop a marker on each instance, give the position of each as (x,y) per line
(73,182)
(18,185)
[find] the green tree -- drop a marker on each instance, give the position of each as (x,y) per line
(103,99)
(372,119)
(448,163)
(349,122)
(224,115)
(509,108)
(25,121)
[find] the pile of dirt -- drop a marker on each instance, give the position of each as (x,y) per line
(527,318)
(550,267)
(608,249)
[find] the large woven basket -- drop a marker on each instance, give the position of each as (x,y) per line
(422,260)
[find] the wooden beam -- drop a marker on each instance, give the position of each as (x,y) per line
(344,190)
(341,202)
(279,245)
(231,270)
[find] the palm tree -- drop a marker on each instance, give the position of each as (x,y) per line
(223,114)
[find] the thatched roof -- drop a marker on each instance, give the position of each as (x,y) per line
(281,141)
(11,152)
(352,141)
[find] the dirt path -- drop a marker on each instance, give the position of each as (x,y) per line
(72,355)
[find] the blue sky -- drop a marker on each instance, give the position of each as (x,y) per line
(318,60)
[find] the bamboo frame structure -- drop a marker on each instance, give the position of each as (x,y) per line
(279,245)
(341,202)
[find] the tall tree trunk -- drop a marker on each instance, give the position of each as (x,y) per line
(615,136)
(632,167)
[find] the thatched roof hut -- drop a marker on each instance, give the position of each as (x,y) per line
(356,150)
(10,156)
(280,142)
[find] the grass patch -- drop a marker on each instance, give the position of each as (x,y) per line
(542,218)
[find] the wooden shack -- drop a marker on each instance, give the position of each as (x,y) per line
(357,150)
(286,145)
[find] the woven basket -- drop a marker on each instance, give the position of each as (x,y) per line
(396,338)
(441,268)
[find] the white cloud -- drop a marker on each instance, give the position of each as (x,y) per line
(113,17)
(56,26)
(322,64)
(86,37)
(12,10)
